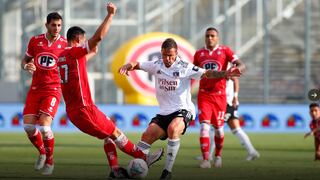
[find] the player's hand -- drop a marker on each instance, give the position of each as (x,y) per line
(234,71)
(30,67)
(124,70)
(111,8)
(235,102)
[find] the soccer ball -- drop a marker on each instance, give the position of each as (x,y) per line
(137,168)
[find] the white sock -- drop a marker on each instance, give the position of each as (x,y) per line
(244,139)
(144,147)
(172,151)
(212,144)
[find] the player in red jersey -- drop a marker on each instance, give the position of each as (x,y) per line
(212,101)
(44,94)
(315,128)
(79,105)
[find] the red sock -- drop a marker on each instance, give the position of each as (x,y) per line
(111,153)
(205,147)
(125,145)
(36,140)
(49,145)
(219,144)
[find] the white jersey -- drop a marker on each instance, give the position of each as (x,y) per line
(230,91)
(173,84)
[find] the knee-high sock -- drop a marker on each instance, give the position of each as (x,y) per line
(125,145)
(212,143)
(35,137)
(48,141)
(219,140)
(244,139)
(205,140)
(111,153)
(172,151)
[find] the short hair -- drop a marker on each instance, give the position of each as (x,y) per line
(212,29)
(73,32)
(314,105)
(53,15)
(169,43)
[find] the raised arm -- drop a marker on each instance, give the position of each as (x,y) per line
(103,28)
(128,67)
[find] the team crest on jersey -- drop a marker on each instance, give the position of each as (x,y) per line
(219,52)
(62,59)
(46,61)
(195,68)
(158,72)
(40,43)
(175,74)
(59,46)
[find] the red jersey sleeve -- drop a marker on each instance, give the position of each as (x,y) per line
(79,52)
(230,55)
(31,47)
(195,59)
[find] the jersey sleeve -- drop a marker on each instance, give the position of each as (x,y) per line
(148,66)
(80,51)
(231,57)
(195,72)
(30,49)
(195,59)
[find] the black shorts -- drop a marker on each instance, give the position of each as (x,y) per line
(231,113)
(164,121)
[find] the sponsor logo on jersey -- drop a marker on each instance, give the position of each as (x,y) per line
(167,85)
(295,121)
(62,59)
(212,65)
(46,61)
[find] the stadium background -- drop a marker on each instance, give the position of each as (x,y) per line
(277,39)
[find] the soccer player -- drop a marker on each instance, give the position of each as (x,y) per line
(172,82)
(44,94)
(80,107)
(212,101)
(315,128)
(232,120)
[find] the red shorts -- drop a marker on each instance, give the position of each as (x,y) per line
(212,108)
(92,121)
(38,102)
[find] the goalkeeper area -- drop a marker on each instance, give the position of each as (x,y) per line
(79,156)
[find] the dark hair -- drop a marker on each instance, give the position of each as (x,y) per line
(169,43)
(53,15)
(314,105)
(73,32)
(212,29)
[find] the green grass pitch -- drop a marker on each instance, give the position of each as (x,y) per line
(79,156)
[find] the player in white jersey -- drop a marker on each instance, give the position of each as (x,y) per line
(232,90)
(172,81)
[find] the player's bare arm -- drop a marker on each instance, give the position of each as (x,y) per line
(236,87)
(91,54)
(128,67)
(27,64)
(240,65)
(210,74)
(103,28)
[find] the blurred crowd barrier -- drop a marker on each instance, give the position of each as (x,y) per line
(135,118)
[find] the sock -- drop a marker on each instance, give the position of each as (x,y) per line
(111,153)
(219,140)
(48,141)
(35,137)
(244,139)
(144,147)
(205,140)
(125,145)
(212,143)
(172,151)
